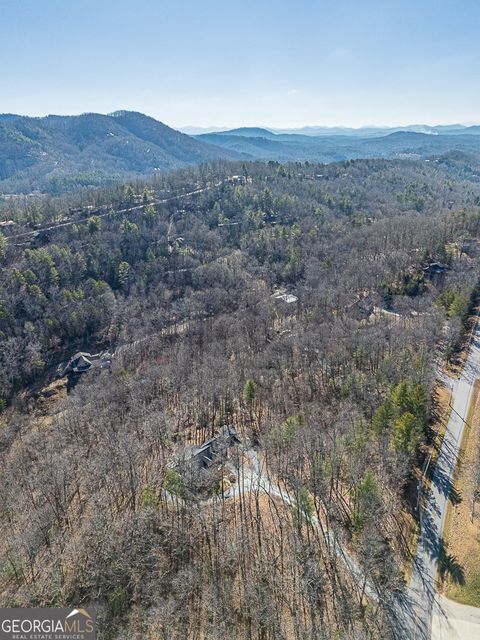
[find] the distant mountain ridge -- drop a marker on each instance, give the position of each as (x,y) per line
(366,132)
(263,144)
(249,132)
(316,131)
(59,152)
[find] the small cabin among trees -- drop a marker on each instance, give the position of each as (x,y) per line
(82,362)
(213,450)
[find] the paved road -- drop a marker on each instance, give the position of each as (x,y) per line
(413,611)
(115,212)
(421,601)
(419,613)
(454,621)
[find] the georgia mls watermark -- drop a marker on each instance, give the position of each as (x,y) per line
(47,624)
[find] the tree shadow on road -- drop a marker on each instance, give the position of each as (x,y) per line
(455,496)
(444,484)
(448,565)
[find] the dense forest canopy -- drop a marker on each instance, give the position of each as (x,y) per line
(306,306)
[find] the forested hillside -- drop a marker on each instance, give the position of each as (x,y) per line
(274,332)
(60,153)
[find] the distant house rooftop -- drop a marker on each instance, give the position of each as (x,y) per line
(205,454)
(289,298)
(83,361)
(434,270)
(435,267)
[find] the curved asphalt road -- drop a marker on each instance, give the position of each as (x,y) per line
(414,612)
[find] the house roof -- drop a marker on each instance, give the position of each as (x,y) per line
(208,450)
(81,361)
(289,298)
(435,266)
(80,354)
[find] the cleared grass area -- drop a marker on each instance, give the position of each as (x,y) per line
(461,561)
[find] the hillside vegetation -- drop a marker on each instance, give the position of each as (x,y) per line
(304,309)
(59,153)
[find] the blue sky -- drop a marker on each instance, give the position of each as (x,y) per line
(280,63)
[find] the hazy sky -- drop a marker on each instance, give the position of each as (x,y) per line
(281,63)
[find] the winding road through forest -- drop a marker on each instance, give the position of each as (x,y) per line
(418,612)
(255,479)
